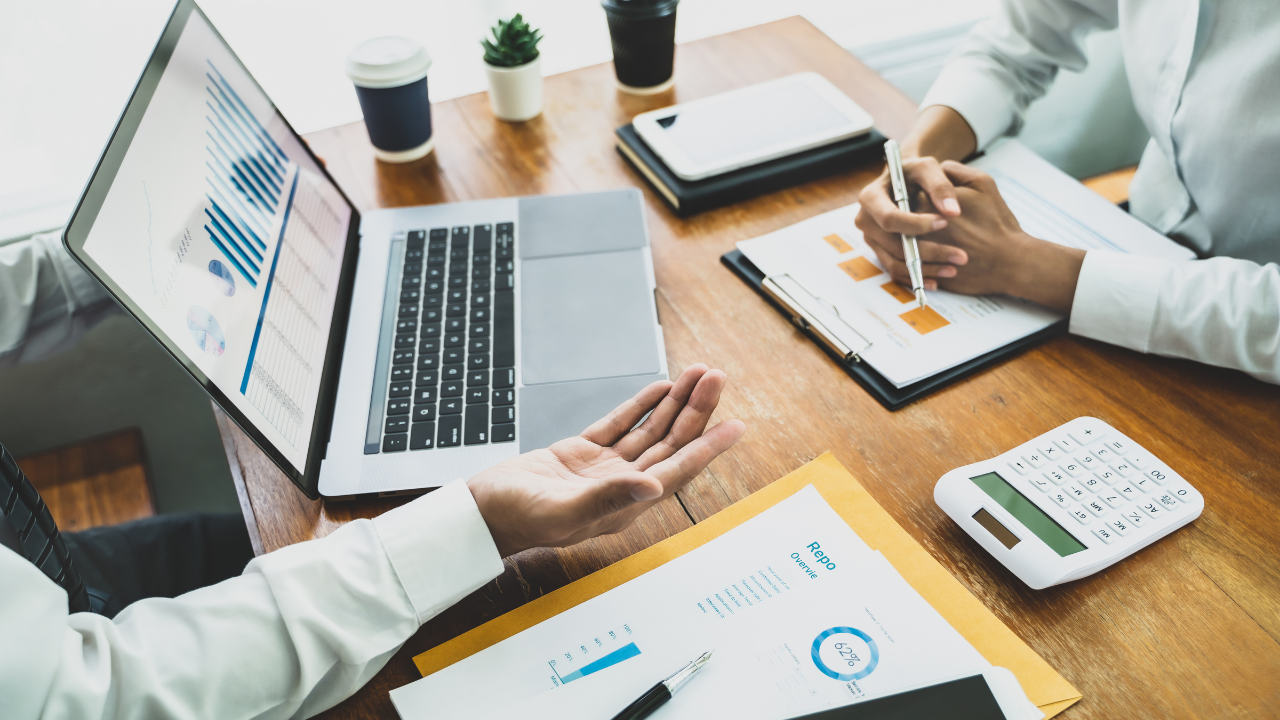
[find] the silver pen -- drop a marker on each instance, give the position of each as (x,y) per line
(910,251)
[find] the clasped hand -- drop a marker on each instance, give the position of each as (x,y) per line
(969,240)
(601,480)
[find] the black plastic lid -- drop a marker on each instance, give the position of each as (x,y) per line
(640,8)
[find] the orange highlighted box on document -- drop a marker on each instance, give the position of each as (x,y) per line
(837,243)
(924,320)
(902,294)
(859,268)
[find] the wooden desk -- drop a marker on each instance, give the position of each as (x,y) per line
(1187,628)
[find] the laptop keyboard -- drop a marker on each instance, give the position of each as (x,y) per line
(452,374)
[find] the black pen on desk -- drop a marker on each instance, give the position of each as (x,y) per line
(659,694)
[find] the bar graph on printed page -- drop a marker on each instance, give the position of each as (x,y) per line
(271,225)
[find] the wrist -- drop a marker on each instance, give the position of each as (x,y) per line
(1046,273)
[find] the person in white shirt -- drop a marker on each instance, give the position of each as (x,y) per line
(305,626)
(1205,78)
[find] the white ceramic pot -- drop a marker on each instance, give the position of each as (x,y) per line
(515,93)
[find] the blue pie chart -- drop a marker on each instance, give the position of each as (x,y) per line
(206,331)
(222,279)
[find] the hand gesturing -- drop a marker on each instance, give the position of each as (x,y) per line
(598,482)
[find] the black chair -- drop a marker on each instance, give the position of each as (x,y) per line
(28,529)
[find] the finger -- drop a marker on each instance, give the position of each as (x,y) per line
(884,243)
(690,423)
(659,421)
(884,211)
(961,174)
(926,173)
(606,431)
(693,458)
(935,252)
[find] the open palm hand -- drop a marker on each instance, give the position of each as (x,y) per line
(600,481)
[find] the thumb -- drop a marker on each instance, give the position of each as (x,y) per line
(614,494)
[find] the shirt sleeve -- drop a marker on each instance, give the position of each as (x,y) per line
(1220,311)
(300,630)
(47,301)
(1011,59)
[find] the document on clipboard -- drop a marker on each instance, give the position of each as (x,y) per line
(826,274)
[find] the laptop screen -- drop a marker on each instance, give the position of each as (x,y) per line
(221,232)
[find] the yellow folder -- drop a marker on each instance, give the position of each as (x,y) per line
(1042,684)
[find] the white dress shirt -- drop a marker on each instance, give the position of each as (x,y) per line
(1205,78)
(300,630)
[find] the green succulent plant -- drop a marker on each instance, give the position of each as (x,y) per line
(514,43)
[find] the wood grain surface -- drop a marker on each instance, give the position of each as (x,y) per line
(1187,628)
(101,481)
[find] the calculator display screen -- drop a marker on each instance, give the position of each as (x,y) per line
(1026,512)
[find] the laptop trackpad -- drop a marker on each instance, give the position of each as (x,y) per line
(585,317)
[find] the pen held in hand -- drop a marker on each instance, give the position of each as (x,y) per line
(659,694)
(910,250)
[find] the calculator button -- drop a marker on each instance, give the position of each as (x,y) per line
(1139,459)
(1118,446)
(1144,483)
(1128,491)
(1088,462)
(1135,517)
(1113,498)
(1056,477)
(1059,497)
(1160,475)
(1120,525)
(1181,491)
(1088,433)
(1020,467)
(1152,508)
(1073,469)
(1107,476)
(1096,508)
(1050,452)
(1092,482)
(1079,514)
(1104,534)
(1035,460)
(1042,484)
(1124,468)
(1076,491)
(1066,444)
(1167,501)
(1105,455)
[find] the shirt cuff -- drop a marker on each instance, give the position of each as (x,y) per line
(984,103)
(1116,296)
(440,547)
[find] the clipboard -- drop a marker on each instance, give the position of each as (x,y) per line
(990,637)
(889,395)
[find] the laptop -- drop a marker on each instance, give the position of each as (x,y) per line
(380,352)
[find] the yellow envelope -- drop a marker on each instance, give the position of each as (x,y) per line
(1042,684)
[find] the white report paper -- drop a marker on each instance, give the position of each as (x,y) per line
(800,612)
(827,267)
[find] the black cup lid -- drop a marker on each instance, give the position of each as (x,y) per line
(639,8)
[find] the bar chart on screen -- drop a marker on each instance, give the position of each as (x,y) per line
(268,221)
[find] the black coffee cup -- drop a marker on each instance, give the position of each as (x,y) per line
(643,33)
(390,75)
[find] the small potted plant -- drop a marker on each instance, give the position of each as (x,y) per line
(515,76)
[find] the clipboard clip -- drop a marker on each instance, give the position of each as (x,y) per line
(805,320)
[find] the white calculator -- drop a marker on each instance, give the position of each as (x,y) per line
(1068,503)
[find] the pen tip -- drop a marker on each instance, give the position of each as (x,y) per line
(920,298)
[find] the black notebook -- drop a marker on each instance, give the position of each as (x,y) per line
(965,699)
(889,395)
(688,197)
